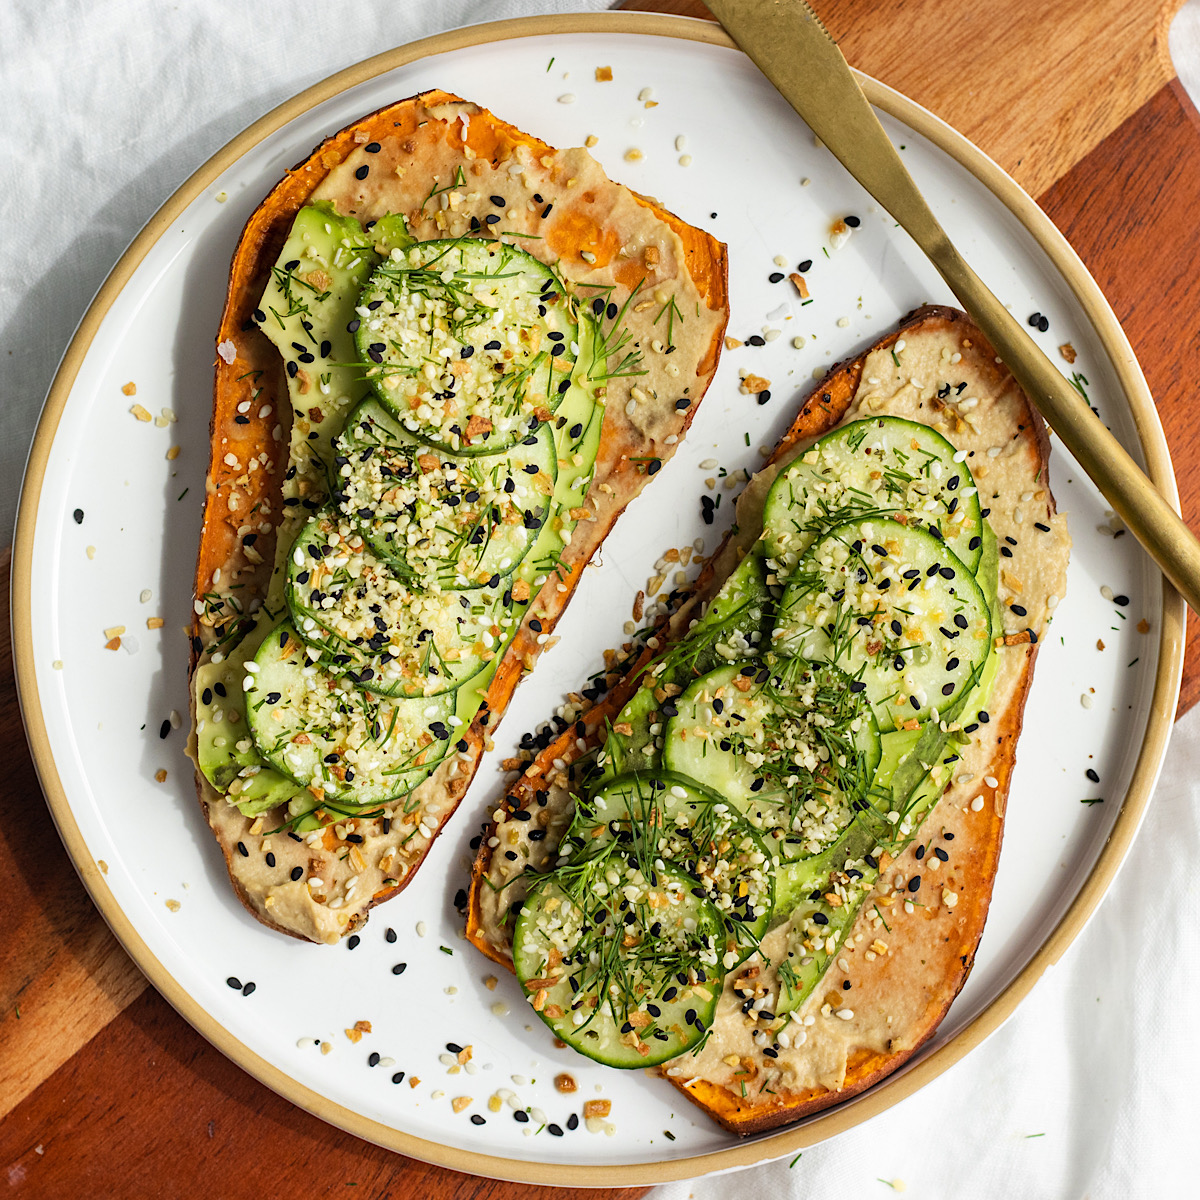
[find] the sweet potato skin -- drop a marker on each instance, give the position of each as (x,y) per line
(973,870)
(249,370)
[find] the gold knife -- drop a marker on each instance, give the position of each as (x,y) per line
(787,42)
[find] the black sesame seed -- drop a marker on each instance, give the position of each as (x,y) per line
(398,1077)
(1121,600)
(352,941)
(362,172)
(914,884)
(1035,320)
(1092,775)
(853,222)
(234,982)
(756,340)
(478,1119)
(270,859)
(940,854)
(573,1121)
(498,201)
(960,620)
(399,968)
(372,147)
(373,1059)
(1018,609)
(297,874)
(521,1116)
(248,989)
(775,277)
(78,516)
(947,689)
(682,404)
(806,265)
(920,854)
(552,1129)
(241,846)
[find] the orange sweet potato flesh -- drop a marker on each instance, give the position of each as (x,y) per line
(976,857)
(248,368)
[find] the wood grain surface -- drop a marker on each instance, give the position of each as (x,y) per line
(105,1091)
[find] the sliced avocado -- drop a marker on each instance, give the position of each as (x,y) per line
(308,312)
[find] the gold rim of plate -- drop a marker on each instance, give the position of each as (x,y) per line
(841,1117)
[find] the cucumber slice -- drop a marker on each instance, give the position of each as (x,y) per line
(823,896)
(892,605)
(620,960)
(469,343)
(439,520)
(379,632)
(874,468)
(346,745)
(734,625)
(667,817)
(794,745)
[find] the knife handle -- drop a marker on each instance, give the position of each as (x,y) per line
(1121,481)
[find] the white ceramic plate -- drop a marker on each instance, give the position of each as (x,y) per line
(758,181)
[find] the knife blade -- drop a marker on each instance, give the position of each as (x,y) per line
(787,42)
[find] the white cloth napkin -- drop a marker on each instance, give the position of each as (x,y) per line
(1091,1089)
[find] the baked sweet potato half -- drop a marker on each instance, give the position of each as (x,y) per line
(865,943)
(379,205)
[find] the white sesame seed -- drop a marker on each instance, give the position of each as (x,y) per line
(422,929)
(567,98)
(1087,700)
(977,804)
(1106,592)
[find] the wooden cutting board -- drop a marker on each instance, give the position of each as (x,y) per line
(105,1091)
